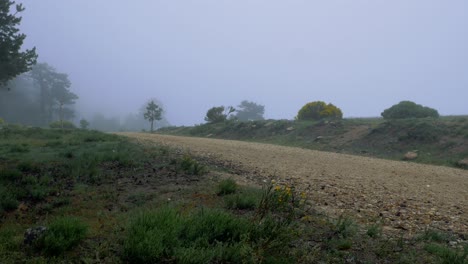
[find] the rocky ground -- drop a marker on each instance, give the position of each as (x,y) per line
(403,196)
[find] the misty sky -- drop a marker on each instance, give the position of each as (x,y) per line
(362,56)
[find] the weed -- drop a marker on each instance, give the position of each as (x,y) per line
(227,186)
(62,234)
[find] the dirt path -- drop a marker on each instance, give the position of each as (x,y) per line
(402,195)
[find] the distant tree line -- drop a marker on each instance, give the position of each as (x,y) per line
(38,97)
(317,110)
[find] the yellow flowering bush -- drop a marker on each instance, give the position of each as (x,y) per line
(281,198)
(319,110)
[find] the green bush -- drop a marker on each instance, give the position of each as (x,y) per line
(226,186)
(408,109)
(319,110)
(66,124)
(62,234)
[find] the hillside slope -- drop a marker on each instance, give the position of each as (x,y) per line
(403,195)
(442,141)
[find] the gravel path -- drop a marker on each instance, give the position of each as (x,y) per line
(403,195)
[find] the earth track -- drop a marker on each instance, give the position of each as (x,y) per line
(403,196)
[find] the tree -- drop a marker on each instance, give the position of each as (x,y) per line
(319,110)
(218,114)
(153,113)
(408,109)
(250,111)
(13,62)
(84,124)
(54,92)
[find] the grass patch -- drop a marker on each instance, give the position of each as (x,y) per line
(246,199)
(227,186)
(190,166)
(446,255)
(63,234)
(203,236)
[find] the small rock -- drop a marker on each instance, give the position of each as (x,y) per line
(290,128)
(410,155)
(33,233)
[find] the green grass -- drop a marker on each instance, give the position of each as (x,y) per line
(203,236)
(62,234)
(227,186)
(190,166)
(448,256)
(245,199)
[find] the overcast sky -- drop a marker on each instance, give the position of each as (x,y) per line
(362,56)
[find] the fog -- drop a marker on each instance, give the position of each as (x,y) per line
(362,56)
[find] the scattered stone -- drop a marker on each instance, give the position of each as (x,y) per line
(290,128)
(410,155)
(209,135)
(33,234)
(319,138)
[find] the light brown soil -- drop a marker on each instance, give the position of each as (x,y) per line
(403,195)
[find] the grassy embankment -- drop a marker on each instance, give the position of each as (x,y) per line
(105,199)
(442,141)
